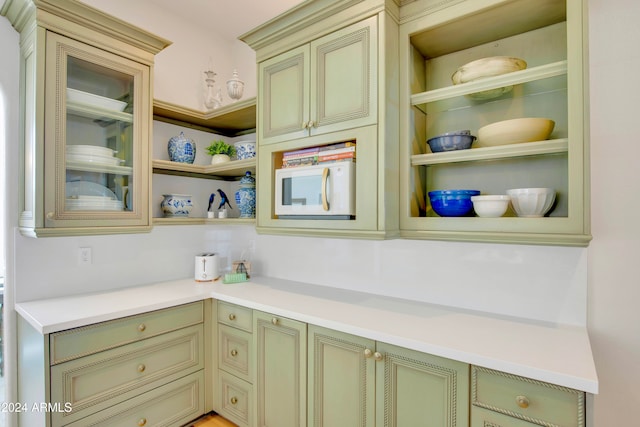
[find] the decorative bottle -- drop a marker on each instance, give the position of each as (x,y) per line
(246,196)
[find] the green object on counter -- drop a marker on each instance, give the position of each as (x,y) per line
(235,278)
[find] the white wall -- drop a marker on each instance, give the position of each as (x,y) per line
(538,282)
(614,287)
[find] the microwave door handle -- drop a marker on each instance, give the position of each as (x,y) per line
(325,178)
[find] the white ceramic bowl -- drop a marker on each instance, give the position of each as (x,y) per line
(487,67)
(515,131)
(532,202)
(490,206)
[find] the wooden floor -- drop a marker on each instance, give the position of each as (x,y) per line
(213,421)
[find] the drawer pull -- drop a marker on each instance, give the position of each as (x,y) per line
(234,400)
(274,320)
(141,367)
(142,422)
(368,353)
(378,356)
(142,327)
(522,401)
(234,352)
(232,316)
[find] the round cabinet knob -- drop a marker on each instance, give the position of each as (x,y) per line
(368,353)
(234,400)
(305,125)
(234,352)
(312,124)
(232,316)
(378,356)
(274,320)
(141,367)
(142,422)
(49,215)
(142,327)
(522,401)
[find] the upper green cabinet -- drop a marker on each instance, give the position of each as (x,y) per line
(435,41)
(86,112)
(326,76)
(320,87)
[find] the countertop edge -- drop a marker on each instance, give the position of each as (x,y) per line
(371,316)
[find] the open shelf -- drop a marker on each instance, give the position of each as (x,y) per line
(232,169)
(231,120)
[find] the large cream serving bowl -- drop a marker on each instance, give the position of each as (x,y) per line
(515,131)
(488,67)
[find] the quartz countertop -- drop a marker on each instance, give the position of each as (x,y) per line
(555,353)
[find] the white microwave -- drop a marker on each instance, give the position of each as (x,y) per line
(324,191)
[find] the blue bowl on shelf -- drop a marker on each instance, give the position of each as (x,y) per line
(452,202)
(459,140)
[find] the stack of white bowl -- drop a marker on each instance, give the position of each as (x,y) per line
(93,203)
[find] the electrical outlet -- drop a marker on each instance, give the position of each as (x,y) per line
(84,256)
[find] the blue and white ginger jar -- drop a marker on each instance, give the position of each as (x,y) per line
(246,196)
(182,149)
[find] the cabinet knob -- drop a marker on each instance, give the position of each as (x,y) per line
(49,215)
(378,356)
(274,320)
(305,125)
(142,327)
(522,401)
(142,422)
(368,353)
(232,316)
(233,400)
(141,367)
(312,124)
(234,352)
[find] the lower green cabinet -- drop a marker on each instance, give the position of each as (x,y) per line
(281,365)
(357,382)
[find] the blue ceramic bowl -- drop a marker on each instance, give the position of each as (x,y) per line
(460,140)
(452,202)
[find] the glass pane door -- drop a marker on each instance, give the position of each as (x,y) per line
(99,138)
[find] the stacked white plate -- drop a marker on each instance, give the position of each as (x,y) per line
(89,196)
(75,96)
(92,154)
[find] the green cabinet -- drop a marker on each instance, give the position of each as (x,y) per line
(326,75)
(504,400)
(434,42)
(281,361)
(86,91)
(113,372)
(320,87)
(355,381)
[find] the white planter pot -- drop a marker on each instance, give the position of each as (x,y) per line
(219,158)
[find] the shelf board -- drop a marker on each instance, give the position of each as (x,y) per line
(93,167)
(553,146)
(517,77)
(231,120)
(232,169)
(195,221)
(97,113)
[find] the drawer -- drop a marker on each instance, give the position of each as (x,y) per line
(235,352)
(73,343)
(528,400)
(235,315)
(235,399)
(481,417)
(93,383)
(173,404)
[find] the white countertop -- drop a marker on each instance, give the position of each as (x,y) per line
(559,354)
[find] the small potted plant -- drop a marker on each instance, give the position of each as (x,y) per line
(221,151)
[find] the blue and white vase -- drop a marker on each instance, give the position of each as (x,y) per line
(246,196)
(182,149)
(176,205)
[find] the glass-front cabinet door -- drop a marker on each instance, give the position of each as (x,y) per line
(97,118)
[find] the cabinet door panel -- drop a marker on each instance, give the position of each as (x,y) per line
(281,381)
(284,96)
(420,390)
(341,380)
(343,78)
